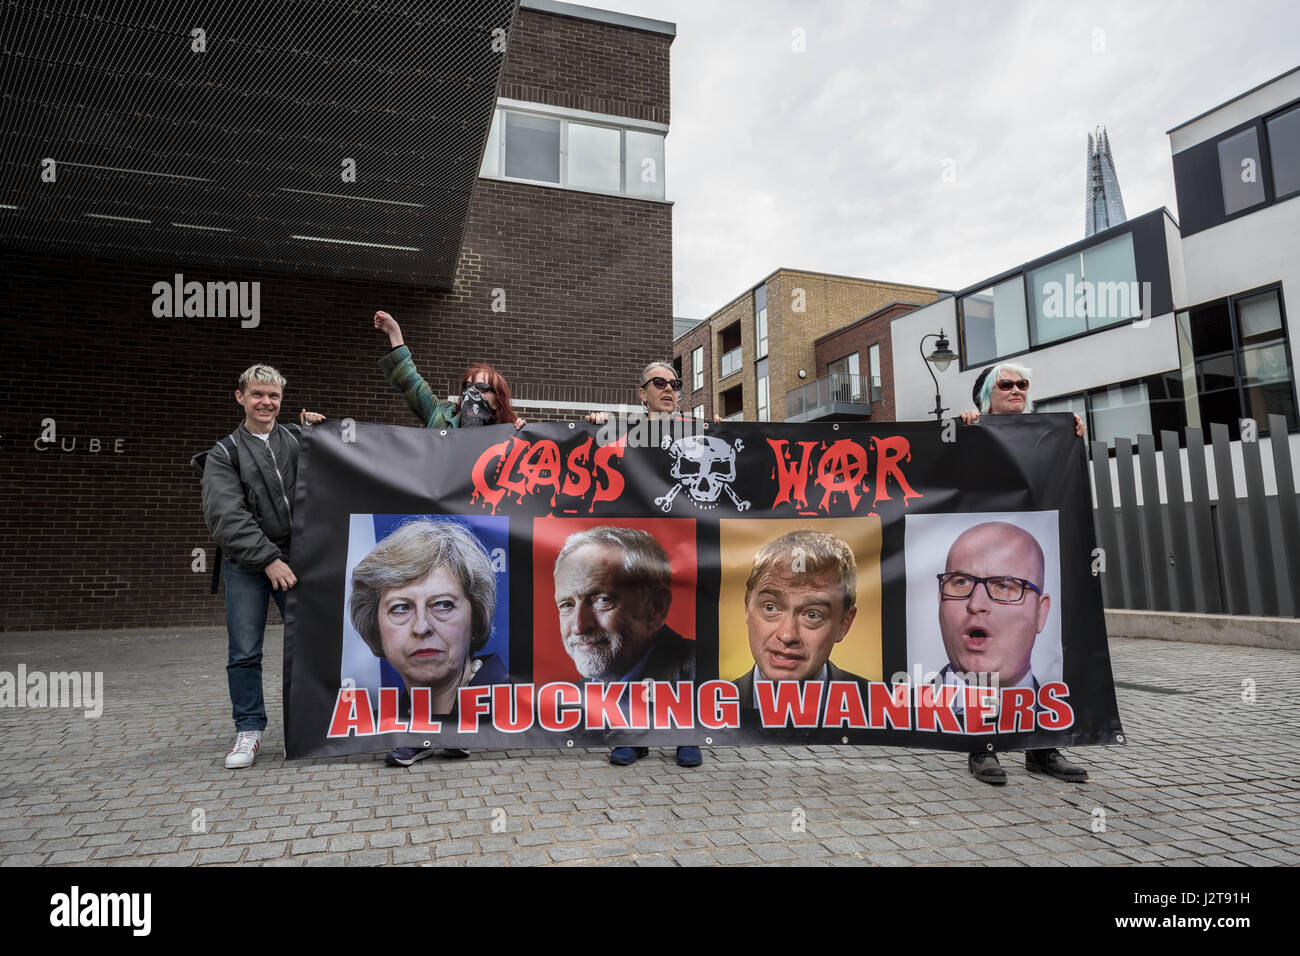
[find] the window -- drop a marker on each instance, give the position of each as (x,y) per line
(697,368)
(1120,411)
(1239,171)
(698,412)
(760,370)
(1070,403)
(873,364)
(1235,362)
(993,322)
(845,379)
(1144,406)
(594,157)
(1284,152)
(1087,290)
(540,146)
(645,164)
(729,350)
(760,322)
(532,147)
(733,404)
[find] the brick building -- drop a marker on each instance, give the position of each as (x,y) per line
(855,374)
(105,400)
(745,358)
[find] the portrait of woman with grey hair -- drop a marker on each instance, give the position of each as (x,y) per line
(659,393)
(424,600)
(1004,390)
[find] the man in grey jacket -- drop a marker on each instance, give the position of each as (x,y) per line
(248,484)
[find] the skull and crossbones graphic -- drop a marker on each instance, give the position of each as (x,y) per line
(705,467)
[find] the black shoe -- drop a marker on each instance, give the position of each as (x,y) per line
(405,756)
(455,753)
(1052,762)
(624,756)
(689,757)
(985,767)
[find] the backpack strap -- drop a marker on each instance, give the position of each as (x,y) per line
(230,446)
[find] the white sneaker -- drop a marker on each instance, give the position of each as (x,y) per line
(247,744)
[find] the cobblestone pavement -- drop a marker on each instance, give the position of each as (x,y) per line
(1207,779)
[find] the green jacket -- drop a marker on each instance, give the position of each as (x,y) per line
(248,505)
(399,371)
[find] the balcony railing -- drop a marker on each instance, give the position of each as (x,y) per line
(730,362)
(837,389)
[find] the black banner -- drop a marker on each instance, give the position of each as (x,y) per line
(645,582)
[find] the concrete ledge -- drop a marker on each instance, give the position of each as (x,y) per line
(1276,633)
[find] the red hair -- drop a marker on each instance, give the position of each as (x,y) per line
(505,415)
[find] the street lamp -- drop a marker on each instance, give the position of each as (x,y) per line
(941,358)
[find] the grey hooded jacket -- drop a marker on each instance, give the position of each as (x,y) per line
(248,504)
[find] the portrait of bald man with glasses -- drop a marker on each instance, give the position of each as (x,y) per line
(992,603)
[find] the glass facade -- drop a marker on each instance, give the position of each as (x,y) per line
(594,160)
(532,147)
(873,364)
(1235,362)
(1087,290)
(846,378)
(594,157)
(1239,171)
(645,164)
(1144,406)
(1284,151)
(993,322)
(730,363)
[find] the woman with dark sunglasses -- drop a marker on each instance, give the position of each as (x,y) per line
(1004,390)
(659,392)
(484,398)
(659,389)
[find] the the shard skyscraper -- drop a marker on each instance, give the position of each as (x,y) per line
(1103,205)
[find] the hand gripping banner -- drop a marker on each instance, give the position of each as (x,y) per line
(647,582)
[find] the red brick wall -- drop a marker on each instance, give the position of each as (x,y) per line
(105,539)
(859,337)
(684,349)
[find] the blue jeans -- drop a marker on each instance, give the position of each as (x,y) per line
(246,607)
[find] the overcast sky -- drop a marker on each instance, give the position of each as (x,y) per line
(833,159)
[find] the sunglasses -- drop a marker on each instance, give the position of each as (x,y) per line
(481,386)
(661,383)
(1007,384)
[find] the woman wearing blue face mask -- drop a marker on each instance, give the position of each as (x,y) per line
(484,398)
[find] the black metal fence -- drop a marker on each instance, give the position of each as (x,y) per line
(1226,555)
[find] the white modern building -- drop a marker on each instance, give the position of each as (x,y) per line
(1158,322)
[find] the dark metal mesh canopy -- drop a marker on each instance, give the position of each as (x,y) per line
(236,154)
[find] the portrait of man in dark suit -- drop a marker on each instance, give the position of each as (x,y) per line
(800,601)
(612,592)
